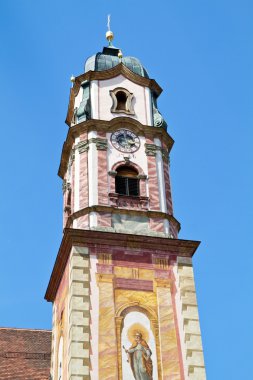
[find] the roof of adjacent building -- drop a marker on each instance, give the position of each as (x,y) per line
(24,354)
(109,59)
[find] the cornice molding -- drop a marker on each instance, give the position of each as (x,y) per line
(82,146)
(101,144)
(110,126)
(150,149)
(89,238)
(115,210)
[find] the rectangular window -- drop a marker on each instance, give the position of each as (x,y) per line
(127,186)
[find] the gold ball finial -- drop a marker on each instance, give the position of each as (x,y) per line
(120,54)
(109,35)
(72,79)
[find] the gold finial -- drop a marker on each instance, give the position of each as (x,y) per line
(120,54)
(109,34)
(72,79)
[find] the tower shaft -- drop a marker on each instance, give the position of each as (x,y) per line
(122,287)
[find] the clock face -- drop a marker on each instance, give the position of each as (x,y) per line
(125,141)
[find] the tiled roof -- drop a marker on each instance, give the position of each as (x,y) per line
(24,354)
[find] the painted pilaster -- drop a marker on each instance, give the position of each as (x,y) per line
(167,329)
(94,99)
(153,191)
(79,316)
(119,321)
(93,176)
(108,358)
(77,175)
(72,164)
(189,327)
(161,182)
(166,168)
(102,145)
(83,147)
(148,102)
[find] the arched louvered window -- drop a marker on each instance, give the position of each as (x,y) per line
(126,181)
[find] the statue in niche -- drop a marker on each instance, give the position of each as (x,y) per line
(139,357)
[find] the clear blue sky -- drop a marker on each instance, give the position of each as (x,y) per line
(201,53)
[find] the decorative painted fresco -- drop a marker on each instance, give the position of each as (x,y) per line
(137,337)
(138,348)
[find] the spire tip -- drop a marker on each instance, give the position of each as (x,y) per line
(109,34)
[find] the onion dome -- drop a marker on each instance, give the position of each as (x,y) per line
(111,57)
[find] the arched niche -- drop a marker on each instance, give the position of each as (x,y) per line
(136,322)
(122,101)
(60,359)
(126,317)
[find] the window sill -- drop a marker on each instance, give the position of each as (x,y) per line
(127,112)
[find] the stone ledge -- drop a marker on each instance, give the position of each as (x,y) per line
(79,317)
(85,328)
(186,281)
(79,275)
(79,261)
(189,299)
(191,314)
(79,289)
(195,358)
(193,342)
(191,326)
(79,335)
(185,270)
(77,303)
(198,373)
(77,368)
(77,351)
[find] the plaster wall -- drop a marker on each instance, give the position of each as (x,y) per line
(139,157)
(128,283)
(94,99)
(77,175)
(101,101)
(92,170)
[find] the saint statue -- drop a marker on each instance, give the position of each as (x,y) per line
(139,357)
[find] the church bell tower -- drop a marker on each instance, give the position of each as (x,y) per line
(122,287)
